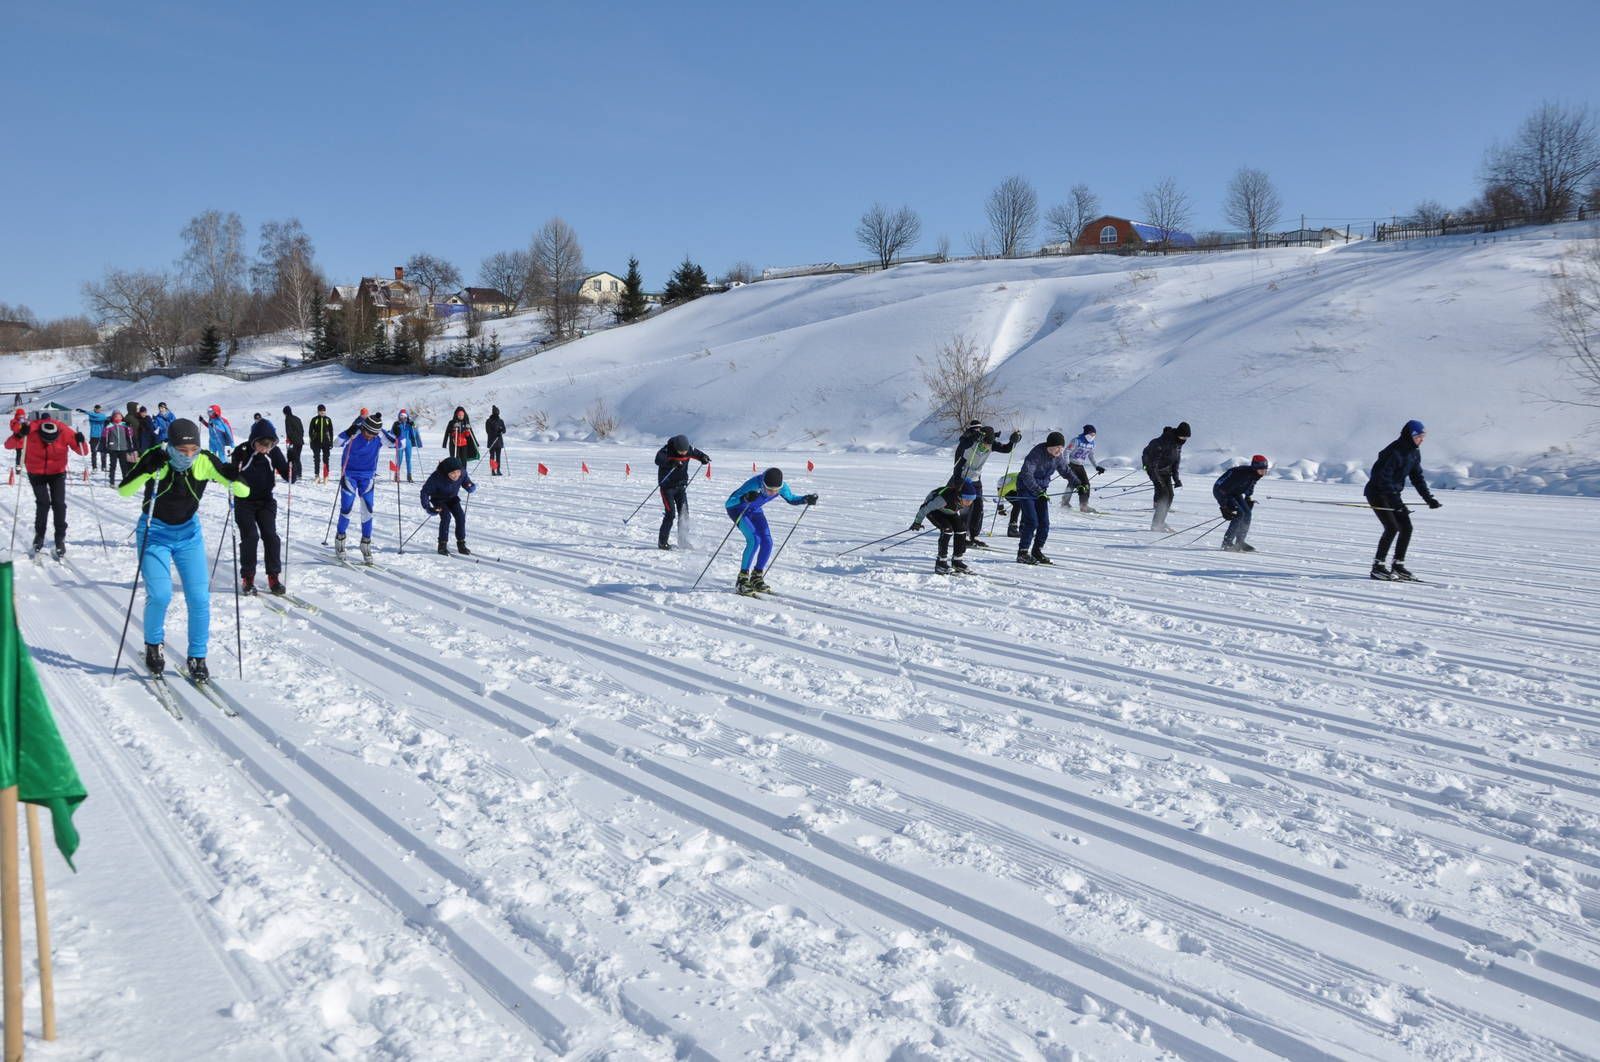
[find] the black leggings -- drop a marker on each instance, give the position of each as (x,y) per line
(447,510)
(950,527)
(1396,521)
(49,495)
(258,523)
(1163,498)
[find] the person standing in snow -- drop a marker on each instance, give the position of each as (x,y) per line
(946,508)
(459,439)
(174,478)
(321,440)
(18,419)
(1008,492)
(972,452)
(1161,457)
(441,494)
(118,443)
(358,470)
(672,480)
(294,433)
(221,433)
(45,445)
(162,421)
(1033,496)
(1233,491)
(97,430)
(259,463)
(744,507)
(1399,461)
(1080,458)
(409,439)
(495,429)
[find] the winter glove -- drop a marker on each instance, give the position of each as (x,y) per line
(1176,483)
(20,432)
(1099,470)
(810,499)
(1250,502)
(472,488)
(916,525)
(1016,437)
(430,510)
(240,488)
(1435,503)
(1230,514)
(749,496)
(77,437)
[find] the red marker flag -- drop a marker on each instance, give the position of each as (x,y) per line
(752,466)
(810,467)
(627,469)
(543,471)
(708,473)
(585,467)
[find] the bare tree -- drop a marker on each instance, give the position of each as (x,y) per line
(1166,208)
(557,271)
(145,306)
(1252,203)
(941,247)
(741,272)
(1013,213)
(885,233)
(1574,312)
(433,275)
(508,273)
(960,386)
(1548,162)
(285,276)
(1067,220)
(213,265)
(1430,213)
(978,244)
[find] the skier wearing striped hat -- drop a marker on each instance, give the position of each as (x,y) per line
(358,470)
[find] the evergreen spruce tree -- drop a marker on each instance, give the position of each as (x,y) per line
(400,348)
(210,348)
(632,306)
(316,342)
(379,352)
(687,282)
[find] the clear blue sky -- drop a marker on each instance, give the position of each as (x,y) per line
(750,131)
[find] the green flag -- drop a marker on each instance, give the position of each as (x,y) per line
(32,755)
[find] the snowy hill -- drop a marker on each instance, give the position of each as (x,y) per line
(1313,357)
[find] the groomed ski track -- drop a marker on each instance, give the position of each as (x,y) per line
(1150,801)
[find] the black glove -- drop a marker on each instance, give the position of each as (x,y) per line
(988,436)
(1230,514)
(1176,482)
(1016,437)
(430,510)
(1435,503)
(810,499)
(749,496)
(77,437)
(20,432)
(1250,502)
(916,525)
(1099,470)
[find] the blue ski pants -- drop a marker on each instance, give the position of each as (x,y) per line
(757,538)
(349,488)
(1035,522)
(162,546)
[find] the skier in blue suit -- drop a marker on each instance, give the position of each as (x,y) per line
(410,439)
(358,471)
(744,507)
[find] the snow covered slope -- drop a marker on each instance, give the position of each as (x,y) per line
(1154,801)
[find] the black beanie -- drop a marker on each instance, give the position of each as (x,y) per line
(1055,438)
(773,477)
(183,432)
(1183,429)
(321,408)
(286,411)
(679,443)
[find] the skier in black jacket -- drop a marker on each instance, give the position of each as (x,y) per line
(977,442)
(494,429)
(260,463)
(1399,461)
(1233,490)
(1161,456)
(946,509)
(672,479)
(321,440)
(441,494)
(294,433)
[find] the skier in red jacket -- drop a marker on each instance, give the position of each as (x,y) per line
(46,443)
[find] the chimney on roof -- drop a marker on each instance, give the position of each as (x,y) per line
(399,272)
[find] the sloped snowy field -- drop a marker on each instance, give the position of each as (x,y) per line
(1154,801)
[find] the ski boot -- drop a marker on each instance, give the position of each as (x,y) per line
(247,585)
(38,544)
(1012,532)
(743,585)
(444,549)
(941,567)
(663,545)
(1380,572)
(275,586)
(1040,558)
(1243,547)
(461,547)
(60,550)
(1227,547)
(154,660)
(1024,557)
(338,546)
(959,566)
(366,550)
(1400,572)
(976,543)
(757,583)
(198,671)
(409,479)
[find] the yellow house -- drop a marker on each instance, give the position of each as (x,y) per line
(601,287)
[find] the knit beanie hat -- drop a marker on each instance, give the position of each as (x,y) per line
(969,489)
(373,422)
(1088,429)
(773,477)
(183,432)
(48,430)
(1260,461)
(1414,427)
(1055,438)
(1183,429)
(263,429)
(449,465)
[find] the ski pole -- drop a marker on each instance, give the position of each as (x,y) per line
(1185,531)
(16,506)
(227,518)
(913,538)
(875,541)
(344,461)
(399,517)
(642,504)
(1119,479)
(774,561)
(424,522)
(97,521)
(138,567)
(1350,505)
(724,542)
(238,628)
(288,524)
(1210,529)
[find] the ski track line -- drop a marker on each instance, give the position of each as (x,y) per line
(391,877)
(888,748)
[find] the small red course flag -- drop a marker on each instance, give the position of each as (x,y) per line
(543,471)
(708,472)
(810,467)
(627,469)
(752,466)
(585,467)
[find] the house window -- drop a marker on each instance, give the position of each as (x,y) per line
(613,285)
(597,285)
(1108,234)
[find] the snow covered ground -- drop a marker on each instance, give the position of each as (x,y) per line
(1154,801)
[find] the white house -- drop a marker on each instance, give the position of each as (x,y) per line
(601,287)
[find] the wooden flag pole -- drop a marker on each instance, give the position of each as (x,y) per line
(41,926)
(10,925)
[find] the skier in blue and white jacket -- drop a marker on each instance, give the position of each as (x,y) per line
(1032,496)
(409,439)
(358,471)
(744,507)
(1080,458)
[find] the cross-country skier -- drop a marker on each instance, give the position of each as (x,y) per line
(1399,461)
(162,421)
(672,480)
(221,432)
(97,430)
(459,438)
(321,439)
(260,463)
(45,444)
(1008,492)
(1033,496)
(358,469)
(18,419)
(972,452)
(294,433)
(1161,456)
(174,478)
(744,507)
(409,439)
(1233,491)
(441,494)
(118,443)
(494,429)
(946,508)
(1080,458)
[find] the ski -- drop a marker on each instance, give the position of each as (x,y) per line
(157,685)
(205,690)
